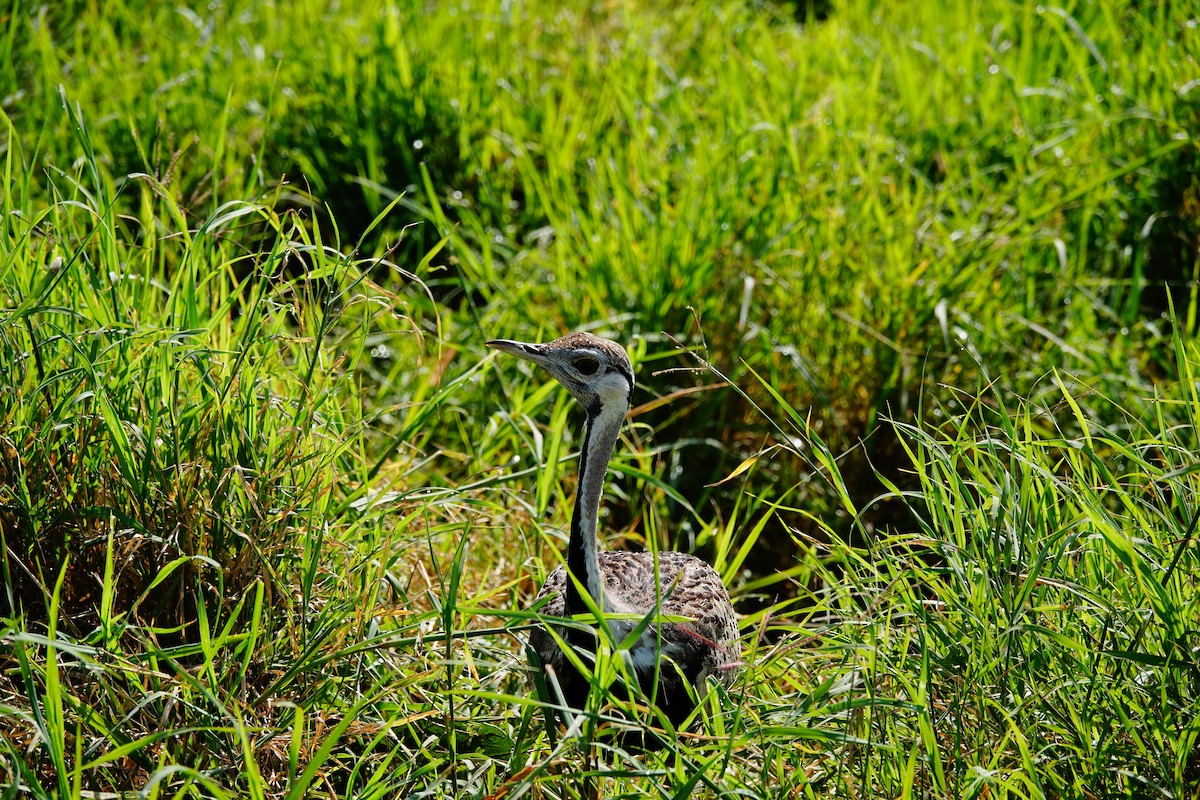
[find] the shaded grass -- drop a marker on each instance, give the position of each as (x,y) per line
(268,512)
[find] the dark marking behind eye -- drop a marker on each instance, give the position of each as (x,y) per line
(622,372)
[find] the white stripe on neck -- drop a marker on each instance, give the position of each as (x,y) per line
(613,392)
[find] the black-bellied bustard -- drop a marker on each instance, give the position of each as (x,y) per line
(693,635)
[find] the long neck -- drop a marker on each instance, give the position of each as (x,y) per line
(599,440)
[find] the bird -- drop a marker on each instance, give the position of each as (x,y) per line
(693,633)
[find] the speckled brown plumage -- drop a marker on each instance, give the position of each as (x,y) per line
(703,647)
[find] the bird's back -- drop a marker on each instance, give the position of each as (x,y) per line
(702,645)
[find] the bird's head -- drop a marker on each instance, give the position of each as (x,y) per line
(596,371)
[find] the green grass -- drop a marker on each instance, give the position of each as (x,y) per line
(911,292)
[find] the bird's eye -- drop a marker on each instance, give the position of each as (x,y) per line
(586,365)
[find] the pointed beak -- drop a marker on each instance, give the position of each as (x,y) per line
(529,352)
